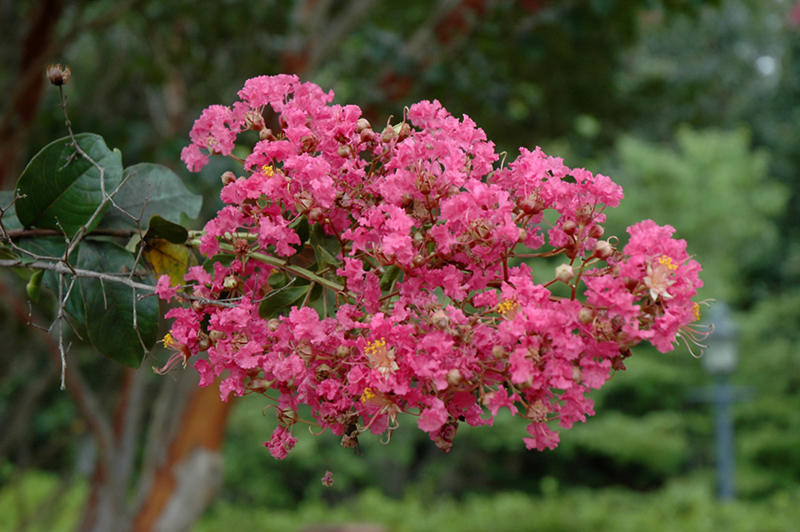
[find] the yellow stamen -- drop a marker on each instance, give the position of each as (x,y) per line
(373,348)
(382,358)
(696,311)
(508,308)
(367,395)
(168,341)
(667,261)
(268,170)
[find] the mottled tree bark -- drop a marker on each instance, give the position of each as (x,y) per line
(24,101)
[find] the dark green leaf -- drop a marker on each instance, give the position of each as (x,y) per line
(281,301)
(389,277)
(303,232)
(151,189)
(63,188)
(109,306)
(316,292)
(161,228)
(329,242)
(277,279)
(324,257)
(223,258)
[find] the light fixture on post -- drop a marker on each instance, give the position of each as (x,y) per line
(720,360)
(722,355)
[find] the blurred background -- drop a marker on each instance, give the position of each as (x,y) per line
(692,106)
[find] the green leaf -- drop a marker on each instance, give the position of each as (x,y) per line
(63,188)
(7,254)
(324,257)
(303,230)
(223,258)
(34,286)
(110,306)
(55,246)
(329,242)
(10,220)
(389,277)
(277,279)
(158,227)
(282,300)
(151,189)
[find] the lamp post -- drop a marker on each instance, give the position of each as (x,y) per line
(720,361)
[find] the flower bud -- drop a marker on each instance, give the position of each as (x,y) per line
(228,178)
(532,204)
(596,231)
(367,135)
(569,227)
(57,75)
(418,260)
(585,315)
(316,215)
(387,135)
(230,282)
(308,144)
(603,249)
(267,134)
(274,324)
(203,341)
(454,377)
(362,125)
(523,236)
(571,251)
(564,273)
(440,319)
(215,336)
(344,151)
(342,351)
(259,385)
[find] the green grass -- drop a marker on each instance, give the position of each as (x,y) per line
(37,501)
(685,506)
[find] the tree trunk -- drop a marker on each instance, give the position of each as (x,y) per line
(188,473)
(24,100)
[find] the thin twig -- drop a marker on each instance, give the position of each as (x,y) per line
(61,268)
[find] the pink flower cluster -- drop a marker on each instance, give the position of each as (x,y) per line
(400,257)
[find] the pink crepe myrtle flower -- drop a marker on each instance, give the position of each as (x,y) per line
(368,273)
